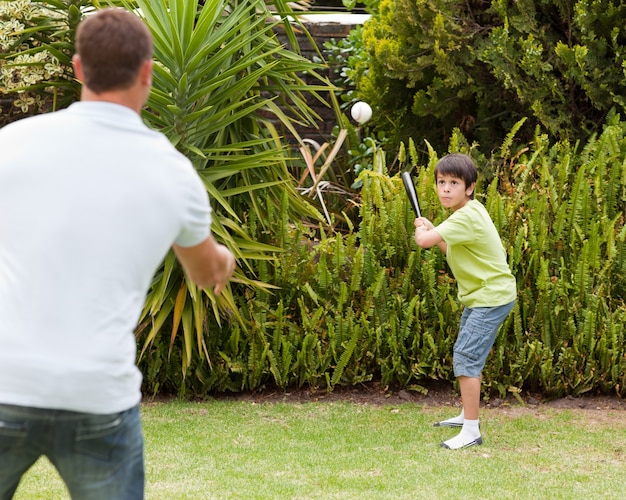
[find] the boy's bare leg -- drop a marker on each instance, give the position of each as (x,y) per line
(470,396)
(470,432)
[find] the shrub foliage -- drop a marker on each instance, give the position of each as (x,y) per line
(480,66)
(370,305)
(316,306)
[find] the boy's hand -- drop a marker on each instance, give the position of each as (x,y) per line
(426,236)
(424,223)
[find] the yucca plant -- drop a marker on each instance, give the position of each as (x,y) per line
(221,82)
(222,85)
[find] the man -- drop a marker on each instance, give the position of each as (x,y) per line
(90,202)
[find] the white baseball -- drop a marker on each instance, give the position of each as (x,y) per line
(361,112)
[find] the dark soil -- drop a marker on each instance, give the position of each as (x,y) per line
(435,394)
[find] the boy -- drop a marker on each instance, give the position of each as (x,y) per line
(486,287)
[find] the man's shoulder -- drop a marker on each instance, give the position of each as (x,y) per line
(31,120)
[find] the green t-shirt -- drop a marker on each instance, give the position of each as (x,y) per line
(477,258)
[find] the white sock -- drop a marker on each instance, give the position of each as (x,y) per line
(469,435)
(471,428)
(455,420)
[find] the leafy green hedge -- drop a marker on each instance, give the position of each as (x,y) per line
(430,66)
(370,305)
(365,304)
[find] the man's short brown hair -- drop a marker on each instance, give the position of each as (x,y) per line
(112,45)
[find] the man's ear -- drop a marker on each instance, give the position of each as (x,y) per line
(78,67)
(470,190)
(145,74)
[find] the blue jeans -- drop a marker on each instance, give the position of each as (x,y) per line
(99,457)
(477,333)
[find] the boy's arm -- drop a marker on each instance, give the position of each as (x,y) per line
(426,236)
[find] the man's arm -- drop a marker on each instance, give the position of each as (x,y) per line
(207,264)
(426,236)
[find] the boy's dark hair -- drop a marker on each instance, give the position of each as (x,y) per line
(112,44)
(458,165)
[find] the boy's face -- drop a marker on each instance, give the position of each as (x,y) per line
(453,193)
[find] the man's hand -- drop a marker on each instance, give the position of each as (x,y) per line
(207,264)
(228,268)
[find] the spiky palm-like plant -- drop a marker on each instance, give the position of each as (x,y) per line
(222,81)
(223,84)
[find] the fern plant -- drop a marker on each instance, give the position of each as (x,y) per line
(367,304)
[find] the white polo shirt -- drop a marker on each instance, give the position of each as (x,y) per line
(90,202)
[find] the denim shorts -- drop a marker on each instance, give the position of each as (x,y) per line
(477,333)
(99,457)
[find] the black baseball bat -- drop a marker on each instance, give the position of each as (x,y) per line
(410,191)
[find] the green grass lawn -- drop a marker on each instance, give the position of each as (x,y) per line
(344,450)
